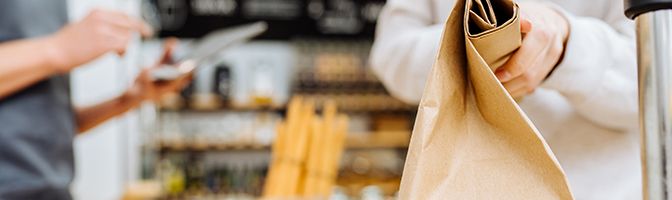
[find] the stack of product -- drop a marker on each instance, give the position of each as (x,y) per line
(306,152)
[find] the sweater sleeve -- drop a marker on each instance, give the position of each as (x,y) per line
(407,38)
(598,74)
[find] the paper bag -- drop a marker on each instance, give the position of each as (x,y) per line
(471,140)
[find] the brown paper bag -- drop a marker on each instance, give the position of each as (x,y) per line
(471,140)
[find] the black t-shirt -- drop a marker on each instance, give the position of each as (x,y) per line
(37,124)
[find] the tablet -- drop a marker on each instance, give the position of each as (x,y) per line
(207,48)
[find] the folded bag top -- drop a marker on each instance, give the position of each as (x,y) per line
(470,139)
(481,15)
(495,42)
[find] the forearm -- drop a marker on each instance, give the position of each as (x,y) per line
(25,62)
(91,116)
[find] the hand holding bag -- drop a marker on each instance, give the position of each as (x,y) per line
(471,140)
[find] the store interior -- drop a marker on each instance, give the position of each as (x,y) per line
(220,137)
(335,99)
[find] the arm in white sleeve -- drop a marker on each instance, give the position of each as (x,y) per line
(598,74)
(407,38)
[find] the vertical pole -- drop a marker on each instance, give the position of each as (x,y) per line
(654,53)
(654,42)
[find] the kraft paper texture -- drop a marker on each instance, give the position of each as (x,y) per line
(471,140)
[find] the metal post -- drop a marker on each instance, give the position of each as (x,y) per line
(654,52)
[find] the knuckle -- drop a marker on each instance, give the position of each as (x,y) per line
(555,51)
(94,12)
(105,45)
(553,48)
(100,29)
(111,43)
(100,15)
(557,47)
(544,34)
(516,68)
(97,14)
(527,77)
(530,89)
(120,44)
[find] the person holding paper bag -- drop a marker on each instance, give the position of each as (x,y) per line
(574,76)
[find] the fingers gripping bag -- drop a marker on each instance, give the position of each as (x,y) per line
(470,139)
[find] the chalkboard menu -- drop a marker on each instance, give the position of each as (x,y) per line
(286,18)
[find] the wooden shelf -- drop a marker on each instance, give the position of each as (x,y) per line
(383,139)
(376,103)
(228,109)
(373,140)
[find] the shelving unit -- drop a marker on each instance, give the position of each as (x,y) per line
(191,144)
(217,144)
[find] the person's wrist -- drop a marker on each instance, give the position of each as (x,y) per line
(564,30)
(56,58)
(562,21)
(132,97)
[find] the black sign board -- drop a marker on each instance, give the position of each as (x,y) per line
(286,18)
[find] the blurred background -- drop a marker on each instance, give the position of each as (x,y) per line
(213,140)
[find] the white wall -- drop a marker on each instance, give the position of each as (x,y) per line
(106,157)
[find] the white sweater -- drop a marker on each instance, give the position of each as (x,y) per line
(586,110)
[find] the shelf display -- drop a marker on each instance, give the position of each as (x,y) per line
(215,139)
